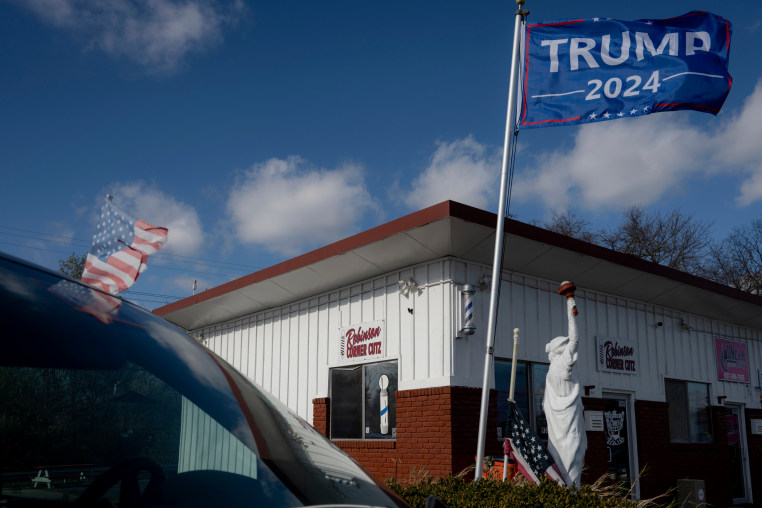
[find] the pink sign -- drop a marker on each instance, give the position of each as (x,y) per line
(732,360)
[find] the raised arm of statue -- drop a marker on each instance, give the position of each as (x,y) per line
(571,307)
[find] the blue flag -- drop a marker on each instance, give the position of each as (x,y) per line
(589,70)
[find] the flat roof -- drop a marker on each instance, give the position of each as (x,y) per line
(454,229)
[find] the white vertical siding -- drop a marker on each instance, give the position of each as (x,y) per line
(682,347)
(289,350)
(205,444)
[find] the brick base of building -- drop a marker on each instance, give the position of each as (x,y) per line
(437,430)
(664,462)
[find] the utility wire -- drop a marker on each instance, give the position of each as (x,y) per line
(158,266)
(50,238)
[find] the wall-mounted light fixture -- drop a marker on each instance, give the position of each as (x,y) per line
(721,399)
(588,389)
(407,285)
(485,282)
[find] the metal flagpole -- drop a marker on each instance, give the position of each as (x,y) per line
(499,233)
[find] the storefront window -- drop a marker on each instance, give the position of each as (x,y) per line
(689,411)
(363,403)
(528,394)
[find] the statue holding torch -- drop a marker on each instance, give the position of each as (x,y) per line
(567,440)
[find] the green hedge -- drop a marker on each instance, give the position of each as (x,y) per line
(457,493)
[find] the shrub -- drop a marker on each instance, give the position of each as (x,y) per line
(457,493)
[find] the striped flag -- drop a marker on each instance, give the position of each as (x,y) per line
(120,249)
(526,448)
(102,307)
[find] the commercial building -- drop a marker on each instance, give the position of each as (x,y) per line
(670,363)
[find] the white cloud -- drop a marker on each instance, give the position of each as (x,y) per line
(638,161)
(740,144)
(156,34)
(155,207)
(615,164)
(285,207)
(464,170)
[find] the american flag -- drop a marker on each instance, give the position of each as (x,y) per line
(531,456)
(120,249)
(101,306)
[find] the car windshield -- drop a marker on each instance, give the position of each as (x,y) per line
(69,426)
(103,402)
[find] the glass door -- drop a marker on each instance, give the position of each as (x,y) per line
(734,419)
(618,431)
(617,445)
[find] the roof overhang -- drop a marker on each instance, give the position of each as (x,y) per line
(454,229)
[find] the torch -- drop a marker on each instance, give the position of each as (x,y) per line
(567,289)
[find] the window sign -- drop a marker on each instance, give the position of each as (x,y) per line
(732,360)
(617,355)
(362,343)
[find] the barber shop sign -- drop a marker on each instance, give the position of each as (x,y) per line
(363,342)
(617,355)
(732,360)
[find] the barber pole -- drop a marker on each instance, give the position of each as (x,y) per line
(469,328)
(383,383)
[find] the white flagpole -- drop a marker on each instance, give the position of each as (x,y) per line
(499,233)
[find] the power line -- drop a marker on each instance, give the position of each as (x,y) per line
(44,234)
(178,258)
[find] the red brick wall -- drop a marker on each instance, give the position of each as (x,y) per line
(666,462)
(321,409)
(754,444)
(437,431)
(379,457)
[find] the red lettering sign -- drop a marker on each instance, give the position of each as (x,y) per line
(363,342)
(617,355)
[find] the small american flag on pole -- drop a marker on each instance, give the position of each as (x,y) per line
(526,448)
(120,249)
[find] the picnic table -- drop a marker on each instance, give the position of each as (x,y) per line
(61,473)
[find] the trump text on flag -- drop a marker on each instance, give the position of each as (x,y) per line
(588,70)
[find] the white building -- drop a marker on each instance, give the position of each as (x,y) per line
(671,363)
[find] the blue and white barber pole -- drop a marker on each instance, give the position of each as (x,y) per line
(383,383)
(468,310)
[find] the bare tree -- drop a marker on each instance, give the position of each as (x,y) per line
(565,222)
(674,239)
(737,260)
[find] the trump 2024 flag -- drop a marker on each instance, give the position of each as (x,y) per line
(589,70)
(120,249)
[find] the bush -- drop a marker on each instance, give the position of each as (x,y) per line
(457,493)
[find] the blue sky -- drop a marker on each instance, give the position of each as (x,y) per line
(256,131)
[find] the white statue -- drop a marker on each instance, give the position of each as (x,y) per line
(567,440)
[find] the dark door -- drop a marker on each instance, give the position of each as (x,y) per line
(617,437)
(734,420)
